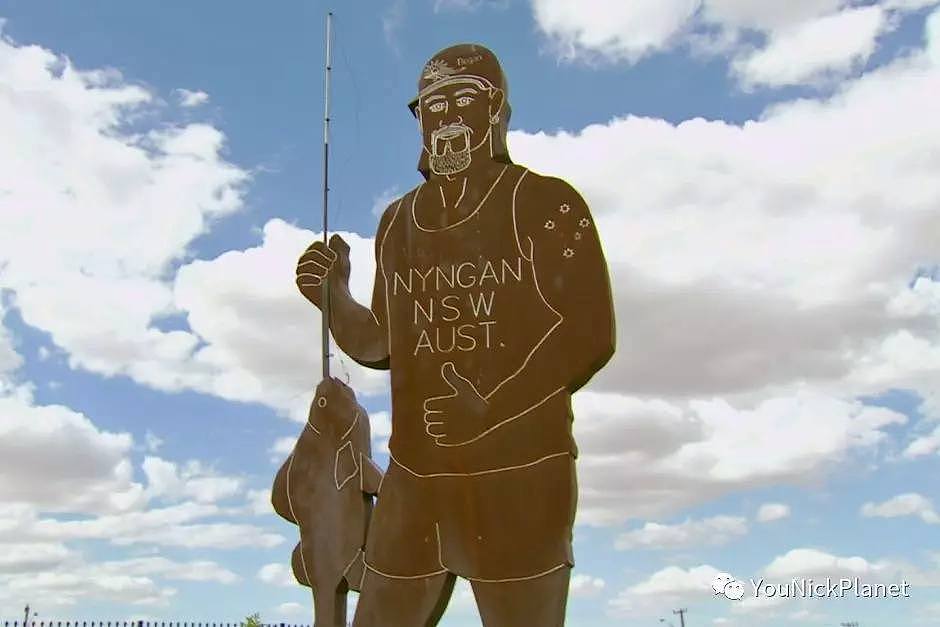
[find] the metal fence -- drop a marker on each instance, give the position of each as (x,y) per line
(134,623)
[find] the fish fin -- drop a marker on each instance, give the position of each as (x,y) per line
(345,467)
(355,572)
(371,477)
(297,565)
(280,499)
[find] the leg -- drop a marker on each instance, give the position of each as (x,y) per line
(388,602)
(538,602)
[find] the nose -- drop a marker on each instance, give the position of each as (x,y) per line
(441,123)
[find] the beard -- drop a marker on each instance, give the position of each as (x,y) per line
(450,149)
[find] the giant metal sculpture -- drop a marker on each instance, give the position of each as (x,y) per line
(491,306)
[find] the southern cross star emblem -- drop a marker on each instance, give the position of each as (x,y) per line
(436,69)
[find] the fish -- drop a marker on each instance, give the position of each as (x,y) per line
(326,487)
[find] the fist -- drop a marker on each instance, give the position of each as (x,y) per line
(321,263)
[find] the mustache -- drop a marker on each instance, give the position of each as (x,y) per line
(446,138)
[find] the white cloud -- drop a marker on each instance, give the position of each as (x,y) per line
(770,512)
(164,526)
(55,457)
(677,585)
(291,608)
(10,359)
(766,16)
(277,575)
(621,30)
(643,459)
(779,255)
(168,569)
(259,502)
(55,588)
(586,586)
(381,202)
(933,36)
(799,42)
(281,448)
(137,581)
(717,530)
(814,563)
(246,307)
(152,442)
(910,504)
(924,445)
(829,46)
(663,587)
(168,481)
(189,98)
(81,251)
(24,557)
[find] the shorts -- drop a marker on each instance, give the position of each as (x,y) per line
(499,526)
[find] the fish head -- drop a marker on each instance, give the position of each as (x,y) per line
(334,409)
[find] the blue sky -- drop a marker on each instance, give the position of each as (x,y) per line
(764,178)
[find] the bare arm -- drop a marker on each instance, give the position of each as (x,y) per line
(557,231)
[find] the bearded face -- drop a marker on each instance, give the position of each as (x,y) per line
(450,149)
(455,124)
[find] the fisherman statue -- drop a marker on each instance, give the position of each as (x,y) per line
(491,307)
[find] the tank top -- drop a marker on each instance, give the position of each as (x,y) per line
(466,293)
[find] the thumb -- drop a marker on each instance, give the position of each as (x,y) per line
(451,377)
(339,246)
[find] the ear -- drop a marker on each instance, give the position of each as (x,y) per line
(497,100)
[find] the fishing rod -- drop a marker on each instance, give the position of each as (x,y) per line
(325,311)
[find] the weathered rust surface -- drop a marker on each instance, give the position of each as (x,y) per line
(325,487)
(491,306)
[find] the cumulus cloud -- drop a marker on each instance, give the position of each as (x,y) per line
(277,574)
(245,306)
(771,275)
(57,458)
(621,30)
(680,585)
(583,585)
(93,230)
(189,98)
(663,587)
(138,581)
(910,504)
(768,43)
(292,608)
(811,563)
(717,530)
(167,480)
(808,52)
(924,445)
(644,459)
(770,512)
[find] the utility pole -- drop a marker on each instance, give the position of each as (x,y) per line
(681,614)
